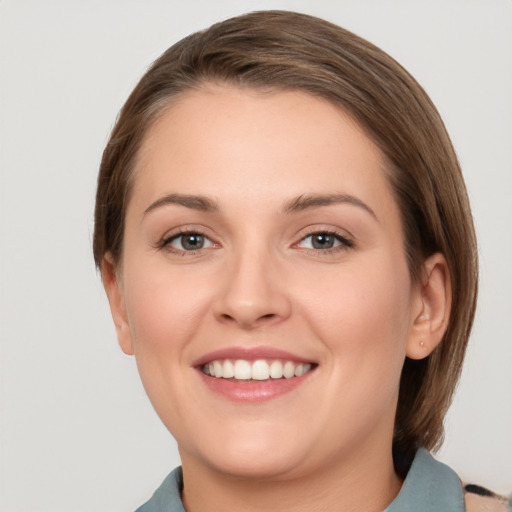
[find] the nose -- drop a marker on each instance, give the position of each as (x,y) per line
(253,293)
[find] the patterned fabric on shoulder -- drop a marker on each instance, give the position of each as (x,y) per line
(479,499)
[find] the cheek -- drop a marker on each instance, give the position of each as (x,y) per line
(163,308)
(164,313)
(364,318)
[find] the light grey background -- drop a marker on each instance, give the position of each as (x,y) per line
(76,430)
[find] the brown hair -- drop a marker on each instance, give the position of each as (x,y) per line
(278,50)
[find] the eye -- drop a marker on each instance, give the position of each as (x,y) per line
(188,242)
(324,240)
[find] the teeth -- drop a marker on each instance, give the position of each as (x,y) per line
(260,370)
(301,369)
(276,369)
(242,370)
(228,370)
(255,370)
(217,368)
(289,370)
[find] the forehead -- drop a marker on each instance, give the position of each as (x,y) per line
(248,152)
(222,134)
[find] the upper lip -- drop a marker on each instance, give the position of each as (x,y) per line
(250,354)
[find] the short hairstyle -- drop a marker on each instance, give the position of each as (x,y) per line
(279,50)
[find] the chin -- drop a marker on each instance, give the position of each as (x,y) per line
(254,457)
(260,467)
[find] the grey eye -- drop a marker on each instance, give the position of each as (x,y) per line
(192,241)
(322,241)
(189,242)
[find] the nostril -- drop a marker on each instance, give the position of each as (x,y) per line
(246,321)
(268,316)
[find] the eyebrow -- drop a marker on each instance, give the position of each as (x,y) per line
(201,203)
(295,205)
(305,202)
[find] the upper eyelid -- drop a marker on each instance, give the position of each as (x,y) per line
(332,230)
(329,231)
(185,230)
(342,238)
(177,234)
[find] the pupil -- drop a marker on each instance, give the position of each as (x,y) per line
(192,242)
(323,241)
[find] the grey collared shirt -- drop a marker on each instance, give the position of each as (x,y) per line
(430,486)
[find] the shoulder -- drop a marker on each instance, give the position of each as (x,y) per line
(167,498)
(431,486)
(479,499)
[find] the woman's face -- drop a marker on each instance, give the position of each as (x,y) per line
(262,238)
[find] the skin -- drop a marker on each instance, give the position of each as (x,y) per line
(258,281)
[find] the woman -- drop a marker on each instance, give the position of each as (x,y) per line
(287,247)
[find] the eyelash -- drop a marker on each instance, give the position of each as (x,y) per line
(344,242)
(166,242)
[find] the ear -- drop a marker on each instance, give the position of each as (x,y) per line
(432,308)
(114,290)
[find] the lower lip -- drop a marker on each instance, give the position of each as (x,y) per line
(253,391)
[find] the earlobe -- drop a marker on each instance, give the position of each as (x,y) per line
(114,292)
(433,312)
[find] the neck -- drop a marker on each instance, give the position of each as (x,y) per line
(366,483)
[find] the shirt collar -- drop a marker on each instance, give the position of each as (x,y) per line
(429,485)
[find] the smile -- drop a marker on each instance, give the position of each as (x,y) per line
(259,370)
